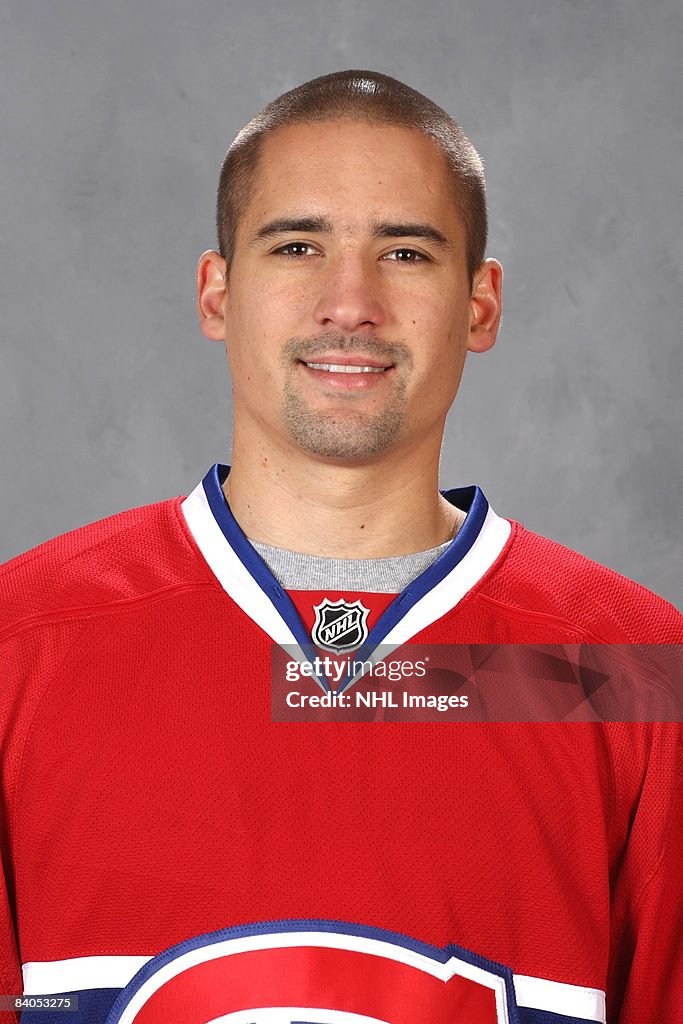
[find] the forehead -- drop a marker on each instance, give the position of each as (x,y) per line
(355,170)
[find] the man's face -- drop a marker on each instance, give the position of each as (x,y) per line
(347,312)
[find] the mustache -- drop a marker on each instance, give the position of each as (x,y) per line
(306,349)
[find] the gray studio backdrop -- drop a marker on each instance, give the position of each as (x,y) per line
(114,121)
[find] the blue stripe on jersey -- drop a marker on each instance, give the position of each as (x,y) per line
(531,1016)
(470,500)
(95,1005)
(252,561)
(93,1008)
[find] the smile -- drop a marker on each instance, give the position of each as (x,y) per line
(346,368)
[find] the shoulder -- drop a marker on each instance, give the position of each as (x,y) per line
(123,557)
(536,575)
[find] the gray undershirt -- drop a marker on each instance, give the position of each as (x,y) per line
(295,571)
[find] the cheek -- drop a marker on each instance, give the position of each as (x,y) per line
(247,331)
(439,355)
(288,307)
(268,316)
(440,340)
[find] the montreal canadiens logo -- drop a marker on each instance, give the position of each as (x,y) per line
(340,625)
(315,972)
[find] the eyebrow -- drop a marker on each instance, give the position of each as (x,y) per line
(379,229)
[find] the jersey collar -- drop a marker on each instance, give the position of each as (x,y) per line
(246,578)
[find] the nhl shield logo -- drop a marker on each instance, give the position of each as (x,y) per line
(340,625)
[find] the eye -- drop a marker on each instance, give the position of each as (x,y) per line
(406,256)
(292,246)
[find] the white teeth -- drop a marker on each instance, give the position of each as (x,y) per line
(345,368)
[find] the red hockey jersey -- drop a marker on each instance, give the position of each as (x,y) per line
(170,853)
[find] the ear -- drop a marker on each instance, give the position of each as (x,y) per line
(211,286)
(486,306)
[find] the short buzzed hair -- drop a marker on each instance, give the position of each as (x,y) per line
(363,96)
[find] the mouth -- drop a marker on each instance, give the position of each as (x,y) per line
(341,374)
(347,367)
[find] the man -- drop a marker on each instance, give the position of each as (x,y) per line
(173,849)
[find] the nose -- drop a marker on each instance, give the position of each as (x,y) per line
(350,296)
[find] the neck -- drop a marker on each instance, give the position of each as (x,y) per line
(290,500)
